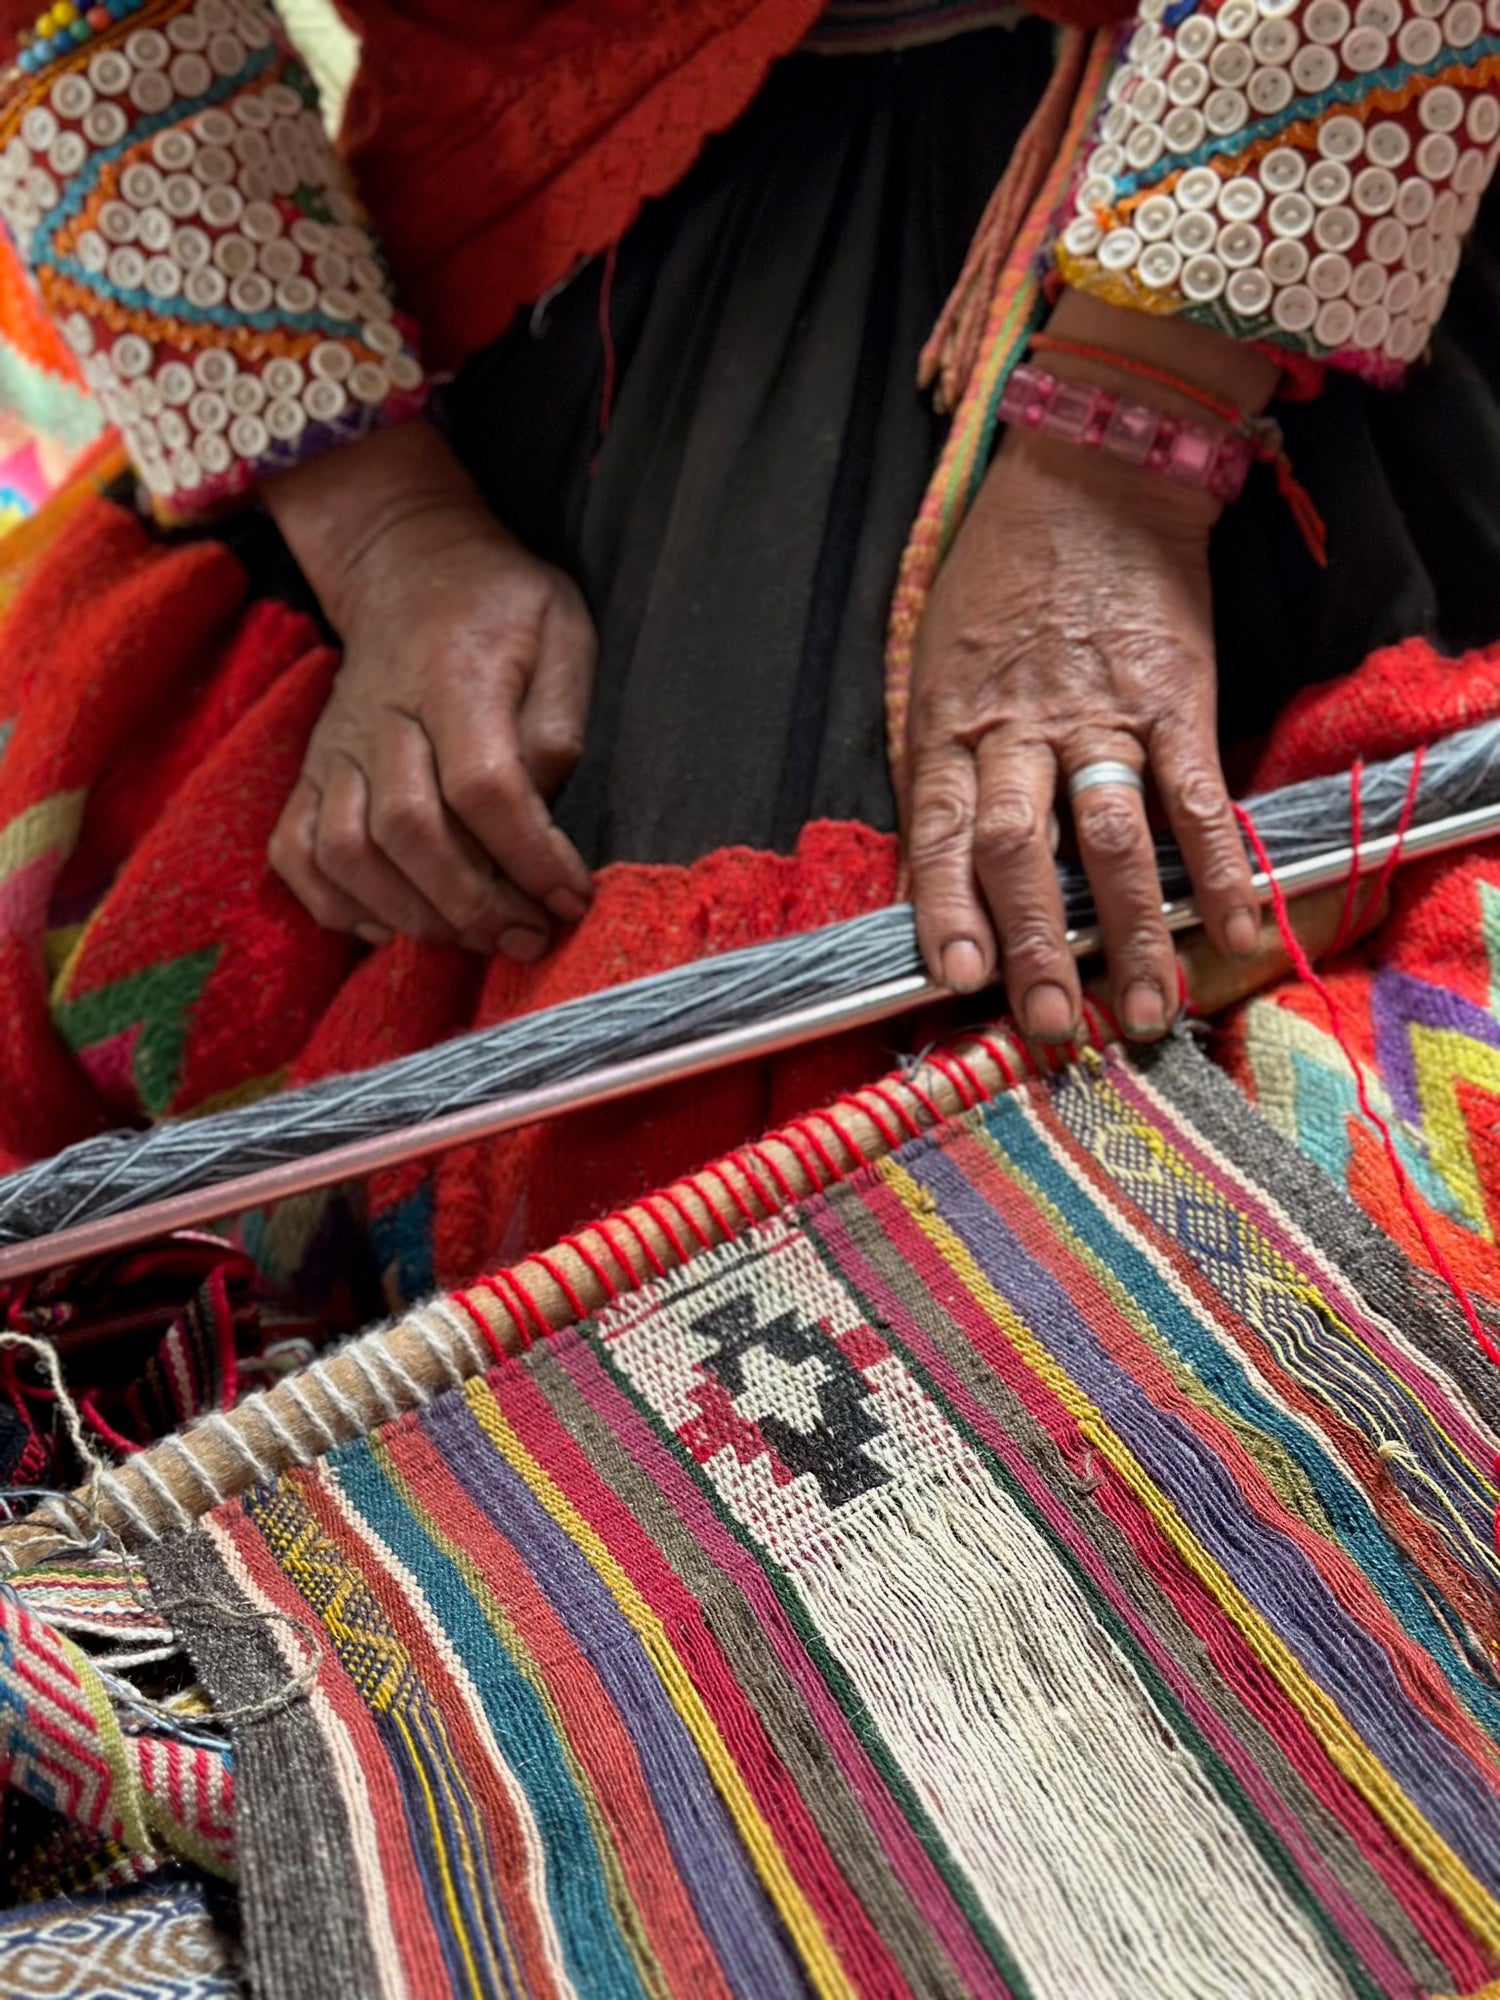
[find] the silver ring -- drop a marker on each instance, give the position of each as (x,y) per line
(1108,771)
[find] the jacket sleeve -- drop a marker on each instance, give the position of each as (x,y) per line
(1297,172)
(167,182)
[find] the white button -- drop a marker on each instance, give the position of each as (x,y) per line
(207,411)
(147,49)
(105,124)
(1440,109)
(1328,276)
(1414,200)
(1398,342)
(252,293)
(285,419)
(228,54)
(297,295)
(1437,155)
(72,95)
(39,128)
(1081,237)
(279,258)
(1365,49)
(93,251)
(1239,245)
(1341,138)
(405,373)
(141,184)
(186,31)
(1249,293)
(181,195)
(109,73)
(1445,213)
(214,369)
(1326,21)
(1274,42)
(1203,278)
(1386,15)
(190,74)
(1295,309)
(283,376)
(1225,111)
(1097,192)
(1286,261)
(1137,49)
(1195,232)
(1483,120)
(331,361)
(1275,10)
(1158,59)
(1367,286)
(171,429)
(223,207)
(1149,101)
(1471,175)
(1290,215)
(1240,200)
(248,437)
(247,395)
(1283,170)
(261,221)
(206,288)
(1236,20)
(1334,324)
(1198,188)
(126,268)
(1404,290)
(1463,24)
(1468,210)
(131,356)
(1327,183)
(215,166)
(1117,252)
(213,451)
(342,305)
(1420,250)
(1387,241)
(234,256)
(1419,43)
(251,108)
(1375,191)
(191,248)
(117,220)
(175,382)
(1336,228)
(1153,219)
(163,278)
(1144,147)
(1270,90)
(251,150)
(67,153)
(1314,68)
(1196,37)
(1159,265)
(1388,144)
(1230,64)
(173,150)
(326,401)
(1184,129)
(186,471)
(1188,83)
(79,333)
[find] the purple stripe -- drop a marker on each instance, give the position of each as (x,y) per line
(1365,1939)
(1397,1003)
(714,1866)
(905,1854)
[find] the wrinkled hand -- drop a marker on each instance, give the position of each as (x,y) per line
(1070,624)
(457,714)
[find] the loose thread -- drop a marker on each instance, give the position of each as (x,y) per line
(607,342)
(1308,971)
(1356,839)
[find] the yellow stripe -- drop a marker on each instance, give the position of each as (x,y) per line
(818,1956)
(1343,1744)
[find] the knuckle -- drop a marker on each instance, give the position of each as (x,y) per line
(560,743)
(1007,823)
(1202,801)
(341,852)
(480,782)
(1143,946)
(400,819)
(1108,826)
(940,829)
(1029,947)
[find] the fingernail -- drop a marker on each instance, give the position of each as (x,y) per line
(1143,1012)
(963,966)
(1242,933)
(523,945)
(568,905)
(373,933)
(1048,1013)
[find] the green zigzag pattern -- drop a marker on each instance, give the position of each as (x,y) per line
(161,999)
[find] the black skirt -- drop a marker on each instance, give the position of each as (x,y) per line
(717,432)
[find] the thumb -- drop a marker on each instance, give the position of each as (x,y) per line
(553,715)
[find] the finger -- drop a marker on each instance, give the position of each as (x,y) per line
(346,853)
(554,710)
(1185,761)
(1114,844)
(488,788)
(953,928)
(1013,860)
(290,853)
(414,830)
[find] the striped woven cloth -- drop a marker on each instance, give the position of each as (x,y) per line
(1058,1562)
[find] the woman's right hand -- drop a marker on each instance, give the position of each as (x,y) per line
(458,712)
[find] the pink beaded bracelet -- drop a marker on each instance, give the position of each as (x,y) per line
(1218,461)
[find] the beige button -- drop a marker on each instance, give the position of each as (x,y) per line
(1440,109)
(1414,200)
(1387,241)
(1153,220)
(1336,228)
(283,377)
(1198,188)
(331,361)
(1419,42)
(1194,232)
(1437,155)
(1341,138)
(1184,129)
(1328,276)
(1375,191)
(1334,324)
(1314,68)
(1270,90)
(1283,170)
(190,74)
(1196,37)
(297,295)
(1290,215)
(1294,309)
(1239,245)
(1463,24)
(1158,266)
(1274,42)
(324,401)
(1188,83)
(1328,182)
(247,394)
(1285,261)
(1231,64)
(206,288)
(1203,279)
(1403,292)
(1365,49)
(1240,199)
(1249,293)
(213,369)
(213,450)
(1080,238)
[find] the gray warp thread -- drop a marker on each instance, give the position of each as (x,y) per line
(119,1171)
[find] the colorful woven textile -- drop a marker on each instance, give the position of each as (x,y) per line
(1057,1562)
(158,1943)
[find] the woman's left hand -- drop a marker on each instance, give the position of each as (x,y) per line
(1071,625)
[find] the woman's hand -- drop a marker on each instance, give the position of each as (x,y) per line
(457,714)
(1071,624)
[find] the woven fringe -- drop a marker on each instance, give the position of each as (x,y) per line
(982,333)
